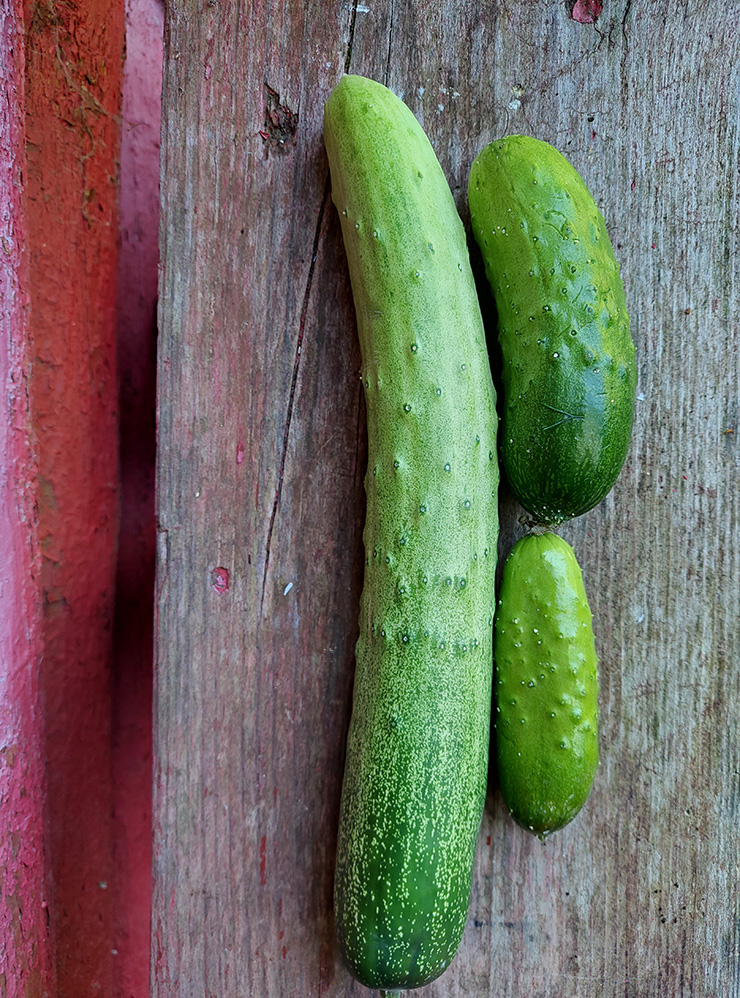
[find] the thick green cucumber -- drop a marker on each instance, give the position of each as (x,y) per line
(546,685)
(569,374)
(417,751)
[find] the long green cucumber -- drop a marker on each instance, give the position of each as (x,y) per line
(546,685)
(569,374)
(417,750)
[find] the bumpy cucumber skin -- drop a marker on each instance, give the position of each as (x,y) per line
(569,376)
(546,685)
(417,751)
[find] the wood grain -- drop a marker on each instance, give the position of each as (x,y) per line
(260,500)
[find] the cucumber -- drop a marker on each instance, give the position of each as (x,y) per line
(546,685)
(417,750)
(569,373)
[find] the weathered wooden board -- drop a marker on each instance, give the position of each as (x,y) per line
(64,392)
(26,958)
(260,500)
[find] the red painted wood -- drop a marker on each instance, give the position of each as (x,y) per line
(74,59)
(132,658)
(25,951)
(74,904)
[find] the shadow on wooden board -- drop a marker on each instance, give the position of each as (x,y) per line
(260,496)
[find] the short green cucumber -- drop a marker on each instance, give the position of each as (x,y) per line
(417,750)
(569,374)
(546,685)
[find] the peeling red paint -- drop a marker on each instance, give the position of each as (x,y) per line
(240,453)
(586,11)
(220,580)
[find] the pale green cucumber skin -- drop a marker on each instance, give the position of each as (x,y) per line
(417,751)
(546,686)
(569,372)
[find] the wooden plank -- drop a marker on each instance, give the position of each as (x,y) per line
(261,459)
(73,72)
(251,703)
(26,956)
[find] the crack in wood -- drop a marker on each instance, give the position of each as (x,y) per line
(351,38)
(390,40)
(625,40)
(301,328)
(294,380)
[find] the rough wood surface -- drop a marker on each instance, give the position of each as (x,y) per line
(260,500)
(73,73)
(26,958)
